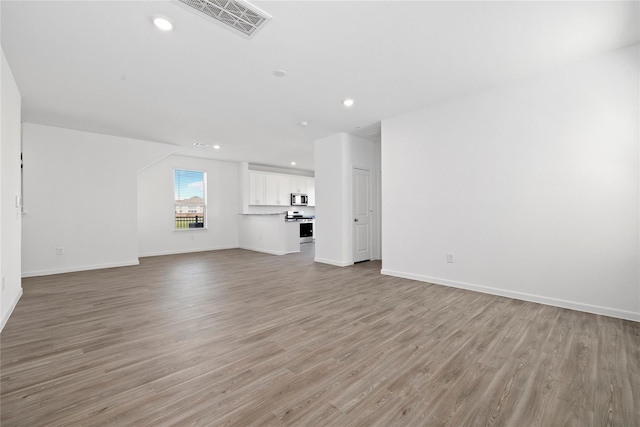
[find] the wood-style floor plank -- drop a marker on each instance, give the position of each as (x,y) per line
(238,338)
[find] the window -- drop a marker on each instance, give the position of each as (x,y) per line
(189,199)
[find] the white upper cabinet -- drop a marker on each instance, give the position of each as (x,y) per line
(277,190)
(311,191)
(298,184)
(257,188)
(273,189)
(284,191)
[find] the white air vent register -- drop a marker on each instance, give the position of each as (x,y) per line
(236,15)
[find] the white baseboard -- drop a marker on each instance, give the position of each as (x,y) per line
(266,251)
(77,268)
(6,316)
(572,305)
(185,251)
(332,262)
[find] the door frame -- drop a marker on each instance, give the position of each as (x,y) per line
(370,213)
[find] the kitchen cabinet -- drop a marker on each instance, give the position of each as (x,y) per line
(271,189)
(311,191)
(276,190)
(257,188)
(284,190)
(298,184)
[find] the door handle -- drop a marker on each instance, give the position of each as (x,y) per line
(355,220)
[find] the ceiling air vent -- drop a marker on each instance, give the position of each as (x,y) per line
(235,15)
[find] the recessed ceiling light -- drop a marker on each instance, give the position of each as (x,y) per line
(216,147)
(348,102)
(279,73)
(163,23)
(293,163)
(304,123)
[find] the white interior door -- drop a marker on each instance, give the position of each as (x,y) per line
(361,215)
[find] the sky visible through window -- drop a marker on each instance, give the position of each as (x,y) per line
(188,184)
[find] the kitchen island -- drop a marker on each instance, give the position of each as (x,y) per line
(269,233)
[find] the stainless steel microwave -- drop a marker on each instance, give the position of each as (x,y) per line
(298,199)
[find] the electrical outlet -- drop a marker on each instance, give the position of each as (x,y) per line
(450,258)
(59,251)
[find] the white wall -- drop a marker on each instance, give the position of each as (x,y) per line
(156,224)
(335,157)
(80,194)
(330,205)
(10,239)
(533,186)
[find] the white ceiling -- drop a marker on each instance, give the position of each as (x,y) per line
(101,66)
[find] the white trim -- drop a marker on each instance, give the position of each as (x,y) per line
(79,268)
(5,318)
(266,251)
(369,212)
(332,262)
(185,251)
(572,305)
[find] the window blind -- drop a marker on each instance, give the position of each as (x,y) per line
(189,199)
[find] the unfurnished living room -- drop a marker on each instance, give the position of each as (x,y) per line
(320,213)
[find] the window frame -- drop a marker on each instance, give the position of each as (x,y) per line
(189,207)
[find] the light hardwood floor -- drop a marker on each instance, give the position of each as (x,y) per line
(241,338)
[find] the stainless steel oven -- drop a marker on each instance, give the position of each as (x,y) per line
(306,231)
(306,224)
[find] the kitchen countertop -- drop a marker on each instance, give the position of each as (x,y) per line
(280,213)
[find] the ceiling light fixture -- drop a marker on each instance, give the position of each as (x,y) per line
(304,123)
(216,147)
(163,23)
(293,163)
(279,73)
(348,102)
